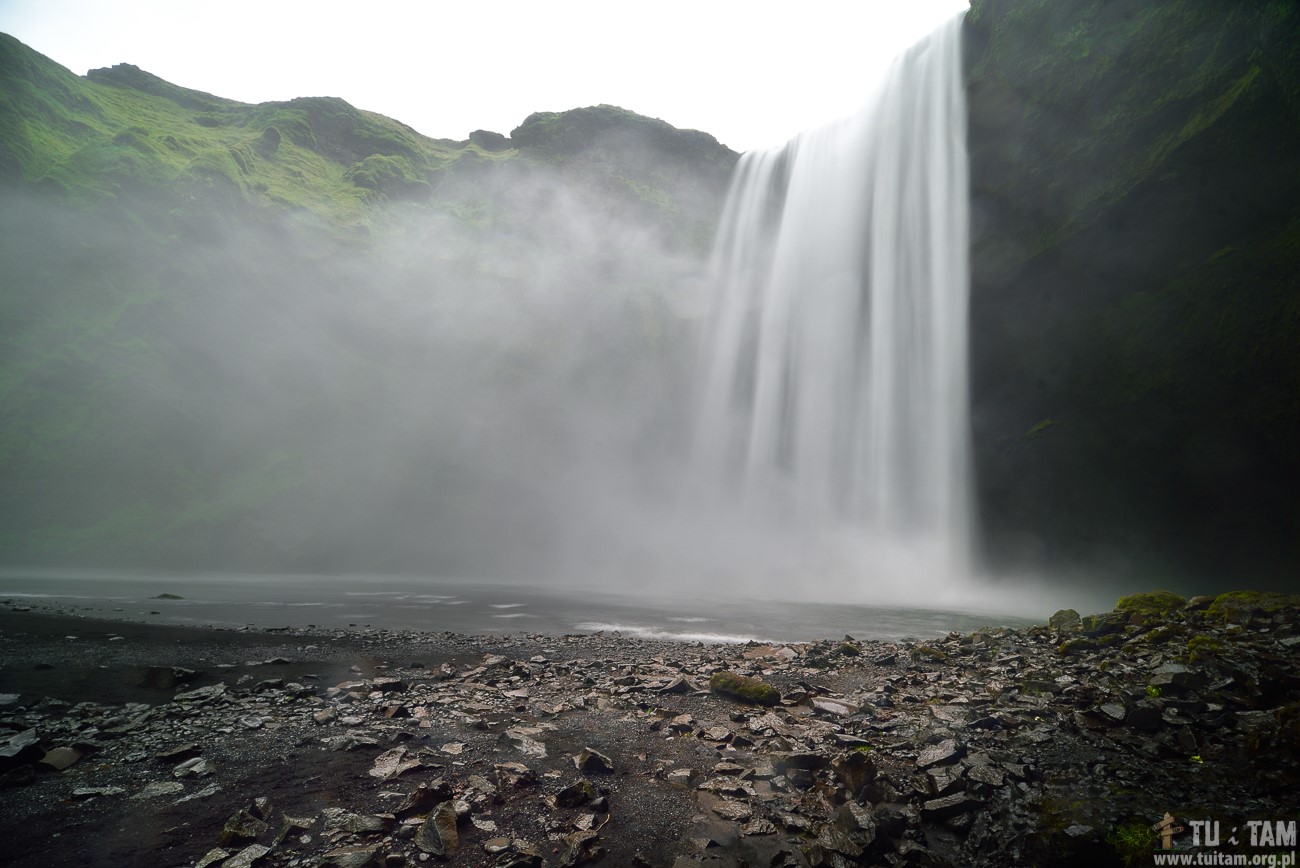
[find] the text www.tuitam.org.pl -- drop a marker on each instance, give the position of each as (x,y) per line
(1271,860)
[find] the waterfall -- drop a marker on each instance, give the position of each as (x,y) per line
(834,381)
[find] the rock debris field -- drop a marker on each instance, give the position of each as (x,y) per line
(131,744)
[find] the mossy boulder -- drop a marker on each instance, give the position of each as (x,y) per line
(1243,606)
(1078,645)
(1151,603)
(928,652)
(1104,623)
(742,688)
(1065,621)
(1165,633)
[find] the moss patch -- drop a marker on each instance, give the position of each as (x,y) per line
(1204,648)
(742,688)
(1153,602)
(1243,605)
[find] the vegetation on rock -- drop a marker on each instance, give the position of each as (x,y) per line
(1158,602)
(743,688)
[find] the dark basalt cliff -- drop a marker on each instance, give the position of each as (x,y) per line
(1136,285)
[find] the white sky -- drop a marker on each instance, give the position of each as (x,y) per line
(751,73)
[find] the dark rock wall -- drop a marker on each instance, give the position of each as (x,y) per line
(1136,286)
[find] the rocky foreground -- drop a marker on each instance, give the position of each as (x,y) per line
(127,744)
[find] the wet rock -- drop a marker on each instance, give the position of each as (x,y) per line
(437,835)
(685,777)
(579,848)
(205,793)
(592,761)
(180,753)
(241,827)
(522,740)
(513,774)
(577,793)
(338,819)
(1113,712)
(353,857)
(1175,678)
(20,749)
(388,684)
(215,856)
(942,780)
(198,767)
(1145,715)
(731,810)
(215,692)
(158,789)
(1065,621)
(677,687)
(986,773)
(681,724)
(946,751)
(950,806)
(808,760)
(393,763)
(61,758)
(92,792)
(1104,623)
(855,770)
(832,707)
(424,798)
(247,857)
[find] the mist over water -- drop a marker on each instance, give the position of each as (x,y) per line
(834,403)
(536,378)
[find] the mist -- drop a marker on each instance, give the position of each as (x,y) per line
(454,396)
(496,385)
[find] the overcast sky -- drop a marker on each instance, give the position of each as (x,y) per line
(751,73)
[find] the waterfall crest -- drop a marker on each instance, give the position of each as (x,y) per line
(834,387)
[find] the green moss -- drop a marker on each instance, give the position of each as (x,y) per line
(1204,648)
(1242,605)
(1165,633)
(732,685)
(1153,602)
(1077,646)
(930,653)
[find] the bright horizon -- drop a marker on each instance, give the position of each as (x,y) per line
(752,74)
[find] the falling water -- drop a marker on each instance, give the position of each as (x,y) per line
(835,390)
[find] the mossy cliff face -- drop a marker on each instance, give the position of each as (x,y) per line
(1136,284)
